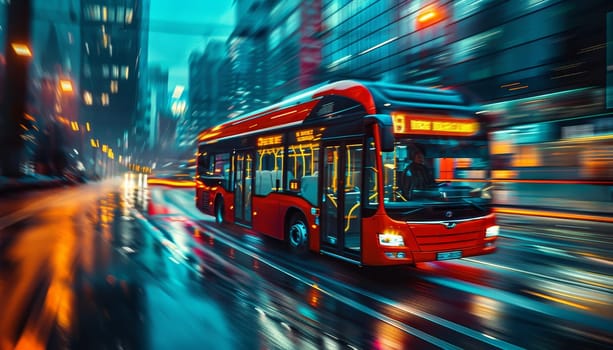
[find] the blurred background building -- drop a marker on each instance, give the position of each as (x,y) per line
(112,46)
(538,67)
(295,46)
(210,91)
(248,55)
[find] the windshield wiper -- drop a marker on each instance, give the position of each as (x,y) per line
(474,204)
(413,211)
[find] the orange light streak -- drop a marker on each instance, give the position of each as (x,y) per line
(553,214)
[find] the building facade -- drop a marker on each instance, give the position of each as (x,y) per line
(111,42)
(295,46)
(361,40)
(249,57)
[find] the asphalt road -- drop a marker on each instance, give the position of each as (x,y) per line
(116,266)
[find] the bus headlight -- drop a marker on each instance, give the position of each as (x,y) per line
(492,231)
(391,240)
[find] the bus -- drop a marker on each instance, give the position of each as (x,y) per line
(325,170)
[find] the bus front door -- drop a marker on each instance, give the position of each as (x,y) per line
(341,209)
(243,187)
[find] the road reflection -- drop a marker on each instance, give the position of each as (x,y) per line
(105,267)
(491,300)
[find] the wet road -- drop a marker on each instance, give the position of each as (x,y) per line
(114,266)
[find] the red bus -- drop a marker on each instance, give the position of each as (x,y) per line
(328,170)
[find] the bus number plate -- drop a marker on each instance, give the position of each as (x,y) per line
(456,254)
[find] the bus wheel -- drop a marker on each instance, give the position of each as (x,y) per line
(219,211)
(297,232)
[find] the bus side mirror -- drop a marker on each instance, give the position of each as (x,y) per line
(386,130)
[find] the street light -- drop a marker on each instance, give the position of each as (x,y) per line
(429,15)
(21,49)
(66,85)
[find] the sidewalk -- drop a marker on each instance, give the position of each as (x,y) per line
(32,182)
(563,201)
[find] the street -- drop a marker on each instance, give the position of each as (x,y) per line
(120,265)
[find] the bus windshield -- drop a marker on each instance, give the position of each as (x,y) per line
(423,173)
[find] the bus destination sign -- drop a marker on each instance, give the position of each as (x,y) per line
(433,125)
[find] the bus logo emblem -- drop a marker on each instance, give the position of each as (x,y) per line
(450,225)
(448,214)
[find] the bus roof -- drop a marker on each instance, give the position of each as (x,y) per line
(374,97)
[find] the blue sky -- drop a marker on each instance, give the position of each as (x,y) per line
(177,30)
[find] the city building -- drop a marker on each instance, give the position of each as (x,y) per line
(249,56)
(158,108)
(216,88)
(196,97)
(538,68)
(47,64)
(361,40)
(210,92)
(112,39)
(295,47)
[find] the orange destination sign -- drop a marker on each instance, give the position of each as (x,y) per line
(433,125)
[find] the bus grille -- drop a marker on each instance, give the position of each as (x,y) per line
(205,200)
(437,237)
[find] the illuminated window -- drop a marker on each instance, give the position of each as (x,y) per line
(121,11)
(88,98)
(115,72)
(275,38)
(105,14)
(476,45)
(528,156)
(112,14)
(105,99)
(129,15)
(105,40)
(293,22)
(125,72)
(114,86)
(465,8)
(96,13)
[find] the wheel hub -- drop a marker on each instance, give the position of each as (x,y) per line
(298,234)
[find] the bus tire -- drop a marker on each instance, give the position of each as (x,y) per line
(298,232)
(219,217)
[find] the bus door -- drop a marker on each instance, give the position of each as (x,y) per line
(341,193)
(243,188)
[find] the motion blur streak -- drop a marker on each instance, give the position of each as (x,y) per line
(57,297)
(553,214)
(171,183)
(558,300)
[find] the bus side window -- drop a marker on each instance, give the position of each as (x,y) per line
(302,164)
(268,173)
(221,167)
(204,166)
(371,173)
